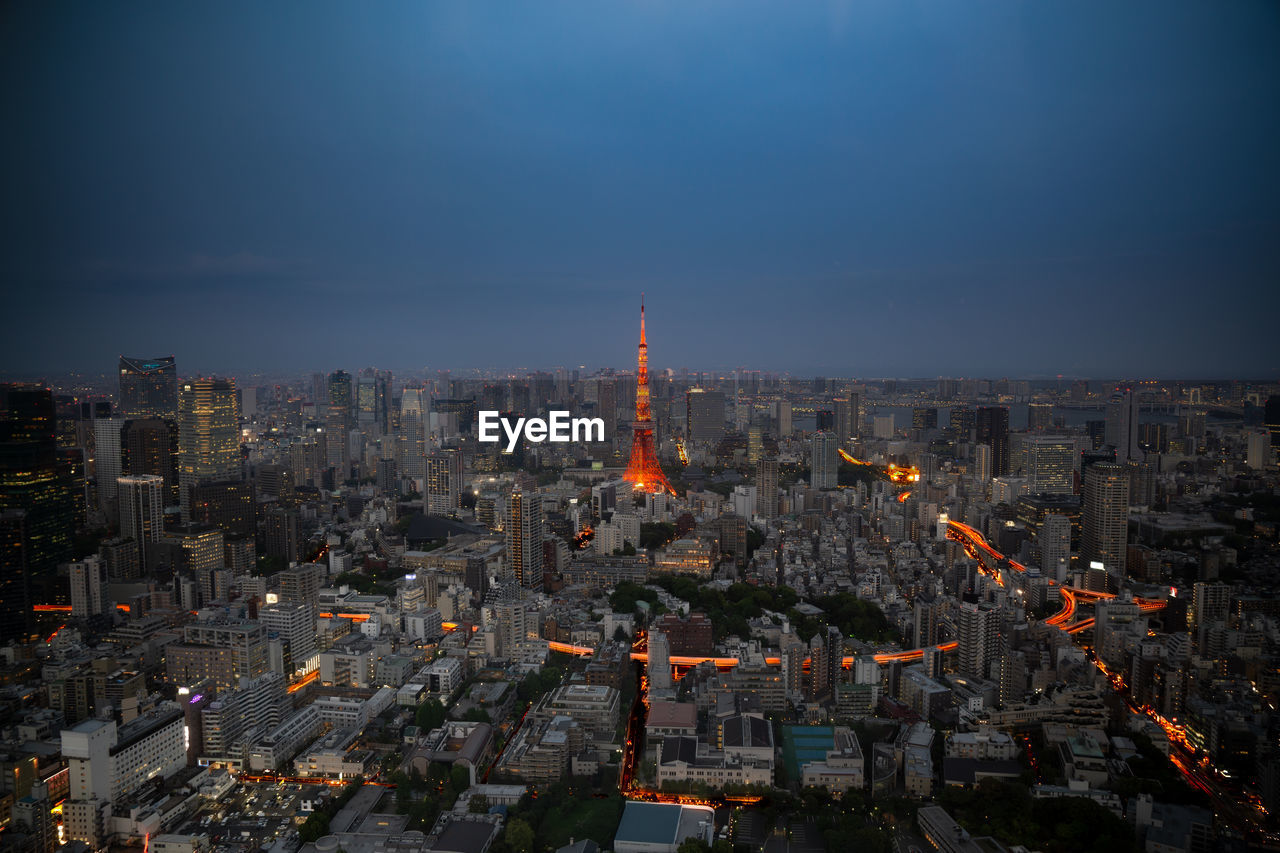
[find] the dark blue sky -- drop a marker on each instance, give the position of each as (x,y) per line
(901,188)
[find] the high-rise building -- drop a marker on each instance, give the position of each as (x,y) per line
(338,421)
(1122,426)
(1271,418)
(924,417)
(108,461)
(847,419)
(148,387)
(444,482)
(524,538)
(411,447)
(15,599)
(1039,417)
(32,479)
(767,487)
(1050,460)
(141,499)
(88,587)
(1104,529)
(962,423)
(982,463)
(283,534)
(1054,542)
(659,668)
(824,461)
(992,424)
(208,435)
(782,417)
(978,629)
(219,652)
(1258,453)
(705,409)
(927,618)
(150,446)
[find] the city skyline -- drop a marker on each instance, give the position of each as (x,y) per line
(838,190)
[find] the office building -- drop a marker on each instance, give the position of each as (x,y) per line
(208,435)
(148,387)
(1039,417)
(106,764)
(338,422)
(220,652)
(847,420)
(150,446)
(88,587)
(824,461)
(1104,529)
(705,418)
(33,480)
(141,502)
(992,425)
(1122,426)
(108,462)
(1049,465)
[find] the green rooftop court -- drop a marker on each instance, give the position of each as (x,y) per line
(803,744)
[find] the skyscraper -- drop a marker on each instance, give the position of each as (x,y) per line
(847,420)
(767,487)
(149,387)
(524,538)
(962,423)
(982,463)
(1104,529)
(992,424)
(108,461)
(31,480)
(1122,426)
(1054,541)
(338,421)
(824,461)
(208,435)
(141,511)
(1039,417)
(978,628)
(411,447)
(444,482)
(782,417)
(1049,464)
(705,416)
(150,446)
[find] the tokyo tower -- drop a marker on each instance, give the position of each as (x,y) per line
(643,472)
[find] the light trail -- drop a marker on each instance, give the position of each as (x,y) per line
(310,677)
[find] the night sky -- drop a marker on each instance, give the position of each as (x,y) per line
(899,188)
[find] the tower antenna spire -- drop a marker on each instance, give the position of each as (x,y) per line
(643,472)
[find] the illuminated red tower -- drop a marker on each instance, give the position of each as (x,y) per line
(643,472)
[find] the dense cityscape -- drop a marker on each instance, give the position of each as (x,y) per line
(756,612)
(640,426)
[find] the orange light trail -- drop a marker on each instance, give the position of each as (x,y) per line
(354,617)
(304,681)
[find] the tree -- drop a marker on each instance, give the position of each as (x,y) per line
(459,778)
(479,804)
(519,836)
(431,715)
(693,845)
(476,715)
